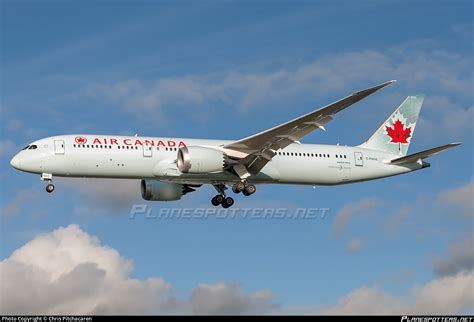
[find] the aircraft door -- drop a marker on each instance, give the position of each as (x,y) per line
(358,159)
(58,147)
(147,151)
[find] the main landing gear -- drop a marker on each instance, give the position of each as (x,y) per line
(221,198)
(225,202)
(49,178)
(247,189)
(242,186)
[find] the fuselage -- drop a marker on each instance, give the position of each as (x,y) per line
(106,156)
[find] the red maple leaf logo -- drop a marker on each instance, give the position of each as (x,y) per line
(81,140)
(398,133)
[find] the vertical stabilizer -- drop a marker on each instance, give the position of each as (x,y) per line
(395,134)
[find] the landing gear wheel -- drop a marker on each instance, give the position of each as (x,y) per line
(238,187)
(249,189)
(50,188)
(227,202)
(217,200)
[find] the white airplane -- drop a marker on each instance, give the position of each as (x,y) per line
(172,167)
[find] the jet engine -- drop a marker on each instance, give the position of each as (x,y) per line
(156,190)
(199,159)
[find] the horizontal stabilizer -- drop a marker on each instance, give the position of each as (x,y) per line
(423,154)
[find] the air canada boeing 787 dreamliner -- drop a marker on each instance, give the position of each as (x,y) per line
(172,167)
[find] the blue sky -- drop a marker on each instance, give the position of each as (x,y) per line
(228,69)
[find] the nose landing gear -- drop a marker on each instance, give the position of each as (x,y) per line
(49,178)
(50,188)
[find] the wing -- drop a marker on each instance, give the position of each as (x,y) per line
(254,152)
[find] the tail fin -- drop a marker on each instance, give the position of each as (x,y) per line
(395,134)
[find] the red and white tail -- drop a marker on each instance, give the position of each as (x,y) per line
(395,134)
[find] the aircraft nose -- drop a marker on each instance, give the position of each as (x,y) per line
(15,162)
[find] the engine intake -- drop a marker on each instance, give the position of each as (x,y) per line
(156,190)
(199,159)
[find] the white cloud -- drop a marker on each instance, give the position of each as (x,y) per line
(224,298)
(346,213)
(447,295)
(460,258)
(417,66)
(461,198)
(445,117)
(68,271)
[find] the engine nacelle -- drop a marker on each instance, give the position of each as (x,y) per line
(199,159)
(156,190)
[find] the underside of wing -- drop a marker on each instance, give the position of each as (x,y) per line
(254,152)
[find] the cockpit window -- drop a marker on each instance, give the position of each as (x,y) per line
(26,147)
(32,147)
